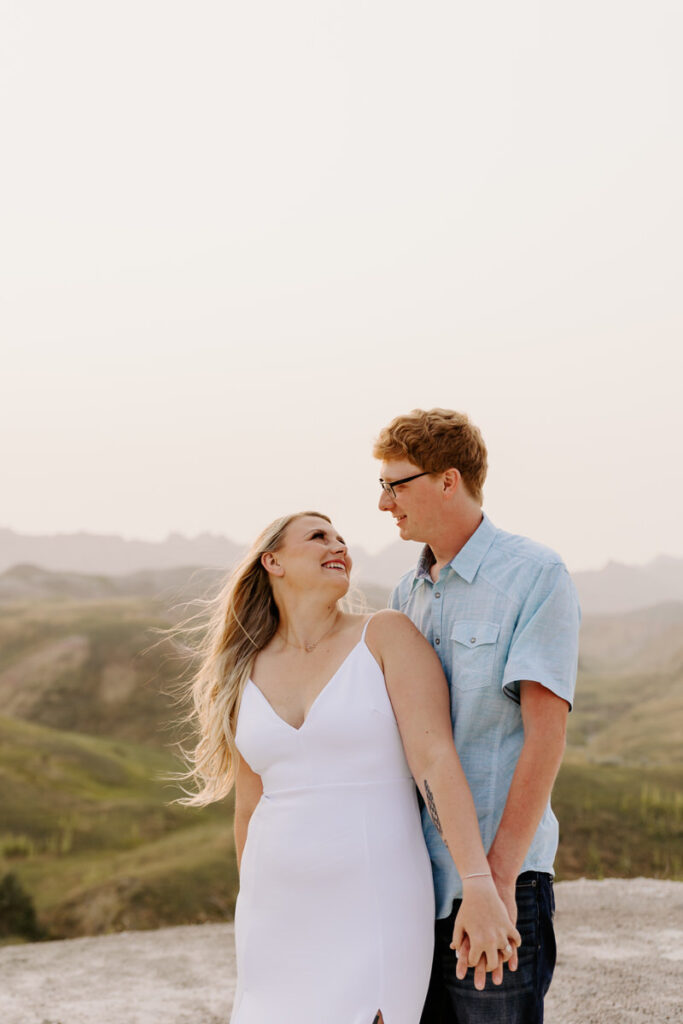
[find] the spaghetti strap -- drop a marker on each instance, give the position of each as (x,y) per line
(365,627)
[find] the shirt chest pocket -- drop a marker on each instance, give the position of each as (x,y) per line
(474,653)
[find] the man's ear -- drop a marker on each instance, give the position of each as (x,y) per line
(270,564)
(451,480)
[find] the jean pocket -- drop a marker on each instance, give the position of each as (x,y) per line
(526,895)
(474,653)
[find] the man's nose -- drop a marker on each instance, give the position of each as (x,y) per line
(385,501)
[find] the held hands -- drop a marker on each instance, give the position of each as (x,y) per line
(484,934)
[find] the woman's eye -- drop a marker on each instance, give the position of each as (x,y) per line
(318,533)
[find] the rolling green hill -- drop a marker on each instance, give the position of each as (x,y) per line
(90,666)
(88,828)
(87,723)
(88,726)
(618,820)
(629,705)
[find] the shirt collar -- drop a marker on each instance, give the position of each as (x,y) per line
(467,561)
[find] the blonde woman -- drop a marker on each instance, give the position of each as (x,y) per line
(322,719)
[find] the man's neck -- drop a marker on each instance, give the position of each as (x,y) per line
(453,539)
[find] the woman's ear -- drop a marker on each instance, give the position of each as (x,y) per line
(270,564)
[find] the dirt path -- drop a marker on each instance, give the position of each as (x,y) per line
(620,962)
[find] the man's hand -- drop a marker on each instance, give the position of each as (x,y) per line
(506,891)
(480,969)
(484,925)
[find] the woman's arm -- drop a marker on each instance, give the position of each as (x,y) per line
(419,696)
(248,790)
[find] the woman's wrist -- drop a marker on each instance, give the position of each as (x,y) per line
(476,879)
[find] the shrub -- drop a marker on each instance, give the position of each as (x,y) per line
(17,913)
(13,847)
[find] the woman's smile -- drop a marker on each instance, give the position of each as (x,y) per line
(335,564)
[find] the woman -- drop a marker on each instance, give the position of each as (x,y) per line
(322,719)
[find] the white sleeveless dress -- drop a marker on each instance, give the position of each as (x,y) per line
(335,915)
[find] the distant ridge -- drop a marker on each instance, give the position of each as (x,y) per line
(111,555)
(33,583)
(624,588)
(615,589)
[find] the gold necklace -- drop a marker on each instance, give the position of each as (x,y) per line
(311,644)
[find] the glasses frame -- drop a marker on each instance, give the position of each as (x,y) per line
(388,485)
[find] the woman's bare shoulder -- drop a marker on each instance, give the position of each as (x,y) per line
(390,620)
(391,627)
(395,641)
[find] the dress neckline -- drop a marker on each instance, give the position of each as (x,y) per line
(324,689)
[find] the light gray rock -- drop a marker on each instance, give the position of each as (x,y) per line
(620,962)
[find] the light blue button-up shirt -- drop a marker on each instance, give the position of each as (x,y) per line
(504,610)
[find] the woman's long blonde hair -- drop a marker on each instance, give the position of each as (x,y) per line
(243,618)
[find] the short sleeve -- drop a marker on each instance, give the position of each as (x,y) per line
(394,601)
(545,643)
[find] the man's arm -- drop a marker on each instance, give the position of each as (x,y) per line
(540,673)
(544,717)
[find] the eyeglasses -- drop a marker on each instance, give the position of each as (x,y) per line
(388,485)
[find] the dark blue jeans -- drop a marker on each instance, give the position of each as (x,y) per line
(519,1000)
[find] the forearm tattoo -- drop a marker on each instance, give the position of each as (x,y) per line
(433,813)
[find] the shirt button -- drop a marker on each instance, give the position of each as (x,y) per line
(437,641)
(473,639)
(437,594)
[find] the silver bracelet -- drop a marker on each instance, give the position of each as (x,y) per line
(478,874)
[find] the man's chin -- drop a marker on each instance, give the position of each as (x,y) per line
(404,530)
(407,532)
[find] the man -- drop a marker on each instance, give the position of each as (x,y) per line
(501,612)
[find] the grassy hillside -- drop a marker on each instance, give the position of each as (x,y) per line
(619,820)
(88,827)
(629,704)
(90,666)
(86,724)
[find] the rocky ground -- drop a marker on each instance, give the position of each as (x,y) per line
(620,962)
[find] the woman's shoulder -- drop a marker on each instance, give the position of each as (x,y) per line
(389,624)
(394,640)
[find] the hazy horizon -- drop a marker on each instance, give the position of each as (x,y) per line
(244,542)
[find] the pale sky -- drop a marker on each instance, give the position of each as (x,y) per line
(238,238)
